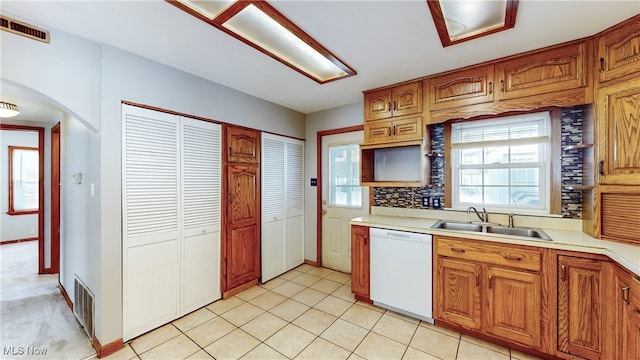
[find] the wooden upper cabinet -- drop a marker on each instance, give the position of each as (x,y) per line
(618,50)
(547,71)
(461,88)
(581,304)
(400,129)
(405,99)
(619,133)
(243,145)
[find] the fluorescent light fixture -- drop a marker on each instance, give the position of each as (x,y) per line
(463,20)
(262,27)
(8,109)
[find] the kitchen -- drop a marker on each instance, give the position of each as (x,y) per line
(492,217)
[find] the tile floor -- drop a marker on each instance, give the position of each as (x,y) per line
(306,313)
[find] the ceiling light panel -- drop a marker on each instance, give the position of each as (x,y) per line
(261,26)
(462,20)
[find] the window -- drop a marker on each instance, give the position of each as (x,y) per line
(502,164)
(23,181)
(344,175)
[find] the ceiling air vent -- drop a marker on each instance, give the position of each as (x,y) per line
(24,29)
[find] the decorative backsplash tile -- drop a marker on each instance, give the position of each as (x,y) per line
(412,198)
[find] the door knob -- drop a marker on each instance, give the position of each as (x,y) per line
(324,212)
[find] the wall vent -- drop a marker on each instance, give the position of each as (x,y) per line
(83,307)
(24,29)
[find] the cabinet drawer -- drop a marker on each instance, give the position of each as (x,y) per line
(504,255)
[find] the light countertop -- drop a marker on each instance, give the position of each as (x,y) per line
(626,255)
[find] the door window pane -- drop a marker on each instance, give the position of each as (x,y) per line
(344,175)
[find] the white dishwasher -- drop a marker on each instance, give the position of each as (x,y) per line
(401,272)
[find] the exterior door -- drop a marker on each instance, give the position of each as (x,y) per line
(342,197)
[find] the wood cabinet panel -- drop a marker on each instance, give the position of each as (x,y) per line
(510,256)
(580,306)
(404,99)
(400,129)
(548,71)
(242,263)
(243,195)
(616,340)
(458,293)
(618,50)
(360,262)
(461,88)
(619,130)
(243,145)
(634,320)
(514,305)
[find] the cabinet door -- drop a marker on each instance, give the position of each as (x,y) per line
(407,99)
(618,53)
(466,87)
(360,262)
(242,255)
(457,295)
(580,306)
(377,104)
(408,128)
(619,125)
(513,305)
(634,320)
(553,70)
(243,145)
(618,316)
(379,131)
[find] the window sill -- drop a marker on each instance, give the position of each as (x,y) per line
(22,212)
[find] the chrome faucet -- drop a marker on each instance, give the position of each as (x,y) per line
(484,217)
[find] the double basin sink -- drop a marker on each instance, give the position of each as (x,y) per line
(489,228)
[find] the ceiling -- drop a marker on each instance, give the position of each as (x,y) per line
(384,41)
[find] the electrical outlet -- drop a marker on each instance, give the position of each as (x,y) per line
(425,201)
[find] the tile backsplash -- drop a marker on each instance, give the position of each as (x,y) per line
(412,198)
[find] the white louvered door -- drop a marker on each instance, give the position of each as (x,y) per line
(201,189)
(171,217)
(282,246)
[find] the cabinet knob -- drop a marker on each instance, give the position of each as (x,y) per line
(601,167)
(490,281)
(625,294)
(477,279)
(602,65)
(563,272)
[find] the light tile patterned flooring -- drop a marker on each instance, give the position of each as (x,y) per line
(306,313)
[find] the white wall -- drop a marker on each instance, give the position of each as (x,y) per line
(340,117)
(89,81)
(14,227)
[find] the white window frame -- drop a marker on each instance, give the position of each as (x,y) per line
(544,165)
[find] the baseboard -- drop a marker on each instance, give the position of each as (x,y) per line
(18,240)
(108,349)
(229,293)
(65,296)
(312,263)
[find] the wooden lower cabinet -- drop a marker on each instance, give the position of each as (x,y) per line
(513,305)
(360,262)
(489,290)
(242,264)
(618,304)
(581,304)
(633,334)
(458,295)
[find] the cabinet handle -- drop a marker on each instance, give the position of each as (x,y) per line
(502,85)
(394,106)
(601,64)
(477,279)
(490,281)
(563,272)
(394,130)
(458,250)
(601,167)
(366,239)
(512,257)
(490,88)
(230,151)
(625,294)
(389,105)
(389,131)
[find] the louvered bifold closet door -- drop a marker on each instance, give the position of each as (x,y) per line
(201,191)
(150,206)
(273,206)
(294,221)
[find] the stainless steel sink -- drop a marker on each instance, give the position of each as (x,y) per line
(530,233)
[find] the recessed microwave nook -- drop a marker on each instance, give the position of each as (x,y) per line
(397,164)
